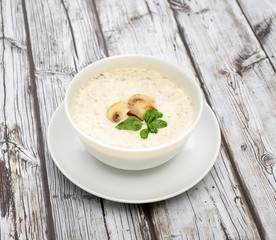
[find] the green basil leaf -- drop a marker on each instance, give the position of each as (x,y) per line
(159,123)
(132,123)
(152,114)
(152,128)
(144,133)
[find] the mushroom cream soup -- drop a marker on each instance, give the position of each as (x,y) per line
(95,97)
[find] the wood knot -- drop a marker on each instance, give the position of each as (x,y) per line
(243,147)
(224,72)
(13,132)
(238,199)
(180,6)
(247,59)
(184,7)
(262,29)
(268,160)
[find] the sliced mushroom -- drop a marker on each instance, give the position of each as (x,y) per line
(139,109)
(117,112)
(141,98)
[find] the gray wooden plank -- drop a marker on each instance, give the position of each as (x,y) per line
(75,41)
(23,206)
(77,215)
(261,17)
(240,83)
(216,207)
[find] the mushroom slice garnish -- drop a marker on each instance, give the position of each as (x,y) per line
(139,109)
(117,112)
(141,98)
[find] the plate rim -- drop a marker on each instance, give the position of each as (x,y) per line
(122,200)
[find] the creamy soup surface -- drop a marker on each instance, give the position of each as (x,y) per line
(100,92)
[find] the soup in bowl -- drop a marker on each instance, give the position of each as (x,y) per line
(133,111)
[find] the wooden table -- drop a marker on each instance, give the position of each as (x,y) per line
(227,45)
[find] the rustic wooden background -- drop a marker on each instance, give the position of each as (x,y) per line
(229,46)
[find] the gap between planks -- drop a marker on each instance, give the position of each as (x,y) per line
(252,29)
(5,126)
(145,207)
(253,213)
(41,150)
(50,220)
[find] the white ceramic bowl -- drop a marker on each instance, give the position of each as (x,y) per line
(134,159)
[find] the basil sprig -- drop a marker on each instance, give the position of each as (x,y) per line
(153,123)
(151,118)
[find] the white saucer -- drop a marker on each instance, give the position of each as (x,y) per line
(143,186)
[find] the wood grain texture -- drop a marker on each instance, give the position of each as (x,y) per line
(76,41)
(22,197)
(77,215)
(215,207)
(261,16)
(240,83)
(42,46)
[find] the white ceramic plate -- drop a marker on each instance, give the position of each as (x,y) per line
(168,180)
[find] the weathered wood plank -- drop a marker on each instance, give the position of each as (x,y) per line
(215,208)
(22,199)
(77,215)
(76,41)
(261,16)
(240,83)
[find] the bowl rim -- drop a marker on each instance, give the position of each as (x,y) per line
(134,150)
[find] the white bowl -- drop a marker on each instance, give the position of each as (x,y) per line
(134,159)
